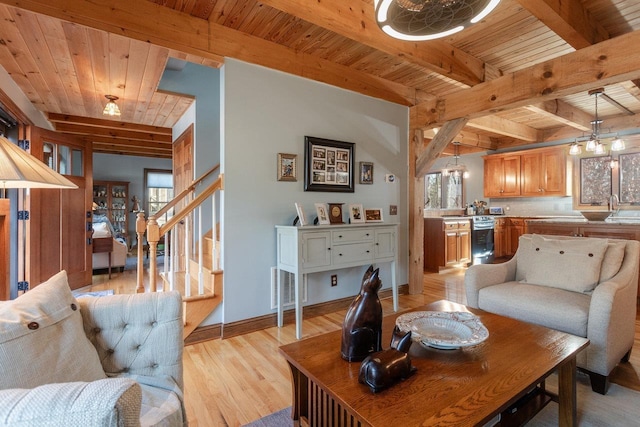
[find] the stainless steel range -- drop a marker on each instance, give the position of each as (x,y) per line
(482,248)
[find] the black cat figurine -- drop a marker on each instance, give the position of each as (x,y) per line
(362,326)
(384,368)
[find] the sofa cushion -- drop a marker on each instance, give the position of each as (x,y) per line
(102,403)
(42,338)
(571,264)
(612,260)
(546,306)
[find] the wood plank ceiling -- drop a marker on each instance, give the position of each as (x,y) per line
(66,55)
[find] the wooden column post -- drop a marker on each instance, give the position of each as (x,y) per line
(416,216)
(153,235)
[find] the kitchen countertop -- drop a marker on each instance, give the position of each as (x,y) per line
(551,219)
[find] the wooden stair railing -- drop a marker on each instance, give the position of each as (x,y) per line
(200,303)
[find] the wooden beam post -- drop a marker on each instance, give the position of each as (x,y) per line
(445,135)
(416,216)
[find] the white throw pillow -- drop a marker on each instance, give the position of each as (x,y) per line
(42,339)
(101,229)
(573,265)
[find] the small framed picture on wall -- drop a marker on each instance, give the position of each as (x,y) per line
(287,167)
(366,173)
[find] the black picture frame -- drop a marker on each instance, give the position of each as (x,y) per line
(328,165)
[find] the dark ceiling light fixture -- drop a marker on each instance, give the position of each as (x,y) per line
(418,20)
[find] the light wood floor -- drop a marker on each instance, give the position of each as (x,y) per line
(235,381)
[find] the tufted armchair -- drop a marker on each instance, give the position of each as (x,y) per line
(100,361)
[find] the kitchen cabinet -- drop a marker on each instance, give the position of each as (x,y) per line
(319,248)
(502,175)
(529,173)
(111,198)
(447,243)
(515,228)
(544,173)
(500,237)
(585,229)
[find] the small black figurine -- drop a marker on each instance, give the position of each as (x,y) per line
(362,326)
(384,368)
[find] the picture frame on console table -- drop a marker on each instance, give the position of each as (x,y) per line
(373,215)
(356,214)
(323,214)
(328,165)
(302,218)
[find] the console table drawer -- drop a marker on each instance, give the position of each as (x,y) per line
(356,252)
(351,236)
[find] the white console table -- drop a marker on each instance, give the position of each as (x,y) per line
(316,248)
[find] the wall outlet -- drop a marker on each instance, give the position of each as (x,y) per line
(389,178)
(334,280)
(393,210)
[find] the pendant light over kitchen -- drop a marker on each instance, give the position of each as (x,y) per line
(594,141)
(456,169)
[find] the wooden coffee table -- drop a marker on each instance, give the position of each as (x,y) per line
(468,386)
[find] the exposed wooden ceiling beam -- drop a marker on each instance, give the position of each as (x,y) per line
(505,127)
(615,124)
(115,133)
(124,143)
(356,21)
(564,113)
(145,152)
(169,28)
(569,20)
(611,61)
(108,124)
(445,135)
(468,139)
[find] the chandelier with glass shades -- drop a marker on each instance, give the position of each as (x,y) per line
(418,20)
(455,169)
(594,141)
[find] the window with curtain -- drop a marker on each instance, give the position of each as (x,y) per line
(158,185)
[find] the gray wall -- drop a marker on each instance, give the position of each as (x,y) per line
(112,167)
(267,112)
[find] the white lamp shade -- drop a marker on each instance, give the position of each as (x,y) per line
(19,169)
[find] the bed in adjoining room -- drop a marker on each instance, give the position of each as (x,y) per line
(105,242)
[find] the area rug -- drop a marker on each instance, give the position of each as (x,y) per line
(282,418)
(619,407)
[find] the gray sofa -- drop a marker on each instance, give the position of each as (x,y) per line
(94,361)
(579,285)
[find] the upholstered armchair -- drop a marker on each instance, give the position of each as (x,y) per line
(579,285)
(95,361)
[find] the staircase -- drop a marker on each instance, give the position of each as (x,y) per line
(192,269)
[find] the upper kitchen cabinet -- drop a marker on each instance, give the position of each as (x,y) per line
(502,175)
(528,173)
(544,172)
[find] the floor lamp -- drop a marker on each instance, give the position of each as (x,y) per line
(21,170)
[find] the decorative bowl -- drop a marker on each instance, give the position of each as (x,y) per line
(596,215)
(443,330)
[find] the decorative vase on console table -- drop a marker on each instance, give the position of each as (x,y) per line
(362,326)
